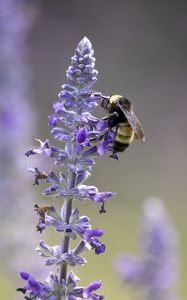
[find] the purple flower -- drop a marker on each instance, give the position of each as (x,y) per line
(155,271)
(90,235)
(60,134)
(82,73)
(88,291)
(54,255)
(105,145)
(82,136)
(52,288)
(47,150)
(78,225)
(129,268)
(36,288)
(54,120)
(102,196)
(91,192)
(17,126)
(79,131)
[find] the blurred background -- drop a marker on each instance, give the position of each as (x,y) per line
(140,49)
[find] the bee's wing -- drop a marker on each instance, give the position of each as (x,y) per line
(134,123)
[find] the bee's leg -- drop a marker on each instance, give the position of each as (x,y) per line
(101,136)
(114,155)
(106,131)
(113,115)
(110,117)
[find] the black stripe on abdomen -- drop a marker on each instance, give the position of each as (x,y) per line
(119,147)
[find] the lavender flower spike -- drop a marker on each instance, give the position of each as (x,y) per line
(154,273)
(74,126)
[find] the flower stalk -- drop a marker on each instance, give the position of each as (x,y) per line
(66,238)
(73,125)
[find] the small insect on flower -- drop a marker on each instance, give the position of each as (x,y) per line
(38,175)
(41,211)
(125,123)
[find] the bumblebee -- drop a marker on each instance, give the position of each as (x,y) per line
(125,123)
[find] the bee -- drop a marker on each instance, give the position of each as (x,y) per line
(41,211)
(39,176)
(122,118)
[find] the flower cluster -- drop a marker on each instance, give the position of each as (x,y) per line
(54,289)
(154,273)
(74,125)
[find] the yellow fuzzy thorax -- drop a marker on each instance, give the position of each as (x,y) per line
(115,98)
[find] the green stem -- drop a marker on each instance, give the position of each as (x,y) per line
(66,239)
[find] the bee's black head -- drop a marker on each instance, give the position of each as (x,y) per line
(105,101)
